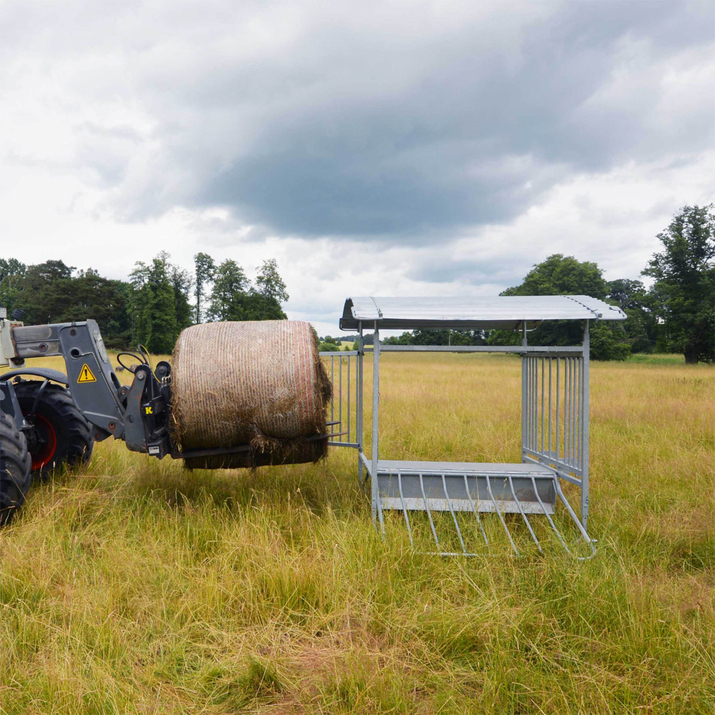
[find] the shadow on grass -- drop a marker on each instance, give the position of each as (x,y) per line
(316,487)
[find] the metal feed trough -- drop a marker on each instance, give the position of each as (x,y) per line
(554,418)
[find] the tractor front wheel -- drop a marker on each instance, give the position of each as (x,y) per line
(58,434)
(15,475)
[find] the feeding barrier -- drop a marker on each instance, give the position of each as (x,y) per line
(554,421)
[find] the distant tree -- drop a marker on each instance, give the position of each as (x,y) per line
(181,282)
(41,292)
(559,275)
(262,307)
(233,297)
(406,338)
(329,344)
(89,295)
(153,305)
(12,272)
(204,271)
(50,292)
(684,288)
(229,292)
(269,282)
(641,328)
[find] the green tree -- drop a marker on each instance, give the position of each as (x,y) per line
(50,293)
(12,272)
(262,307)
(233,297)
(684,288)
(181,282)
(641,328)
(154,305)
(269,282)
(329,344)
(229,292)
(559,275)
(42,292)
(204,271)
(89,295)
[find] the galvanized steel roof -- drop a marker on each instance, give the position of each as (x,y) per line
(471,313)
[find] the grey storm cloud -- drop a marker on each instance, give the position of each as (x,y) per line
(397,120)
(505,270)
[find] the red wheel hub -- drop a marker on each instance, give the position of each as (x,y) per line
(46,441)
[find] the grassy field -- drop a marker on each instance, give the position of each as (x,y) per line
(135,586)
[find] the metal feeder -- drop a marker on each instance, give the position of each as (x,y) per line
(554,415)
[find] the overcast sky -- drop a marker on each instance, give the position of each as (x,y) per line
(379,148)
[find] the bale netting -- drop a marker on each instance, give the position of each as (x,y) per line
(260,384)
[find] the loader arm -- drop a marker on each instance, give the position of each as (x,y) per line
(137,414)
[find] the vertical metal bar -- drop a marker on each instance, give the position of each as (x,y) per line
(350,359)
(454,516)
(332,392)
(475,509)
(524,397)
(534,397)
(567,410)
(558,398)
(577,419)
(404,508)
(572,424)
(429,513)
(521,511)
(586,425)
(527,403)
(550,391)
(501,518)
(543,366)
(340,398)
(359,402)
(535,410)
(376,507)
(574,413)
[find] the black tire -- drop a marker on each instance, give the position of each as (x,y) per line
(59,434)
(15,477)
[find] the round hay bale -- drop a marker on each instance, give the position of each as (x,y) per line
(260,384)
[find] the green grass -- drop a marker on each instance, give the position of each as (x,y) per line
(134,586)
(657,359)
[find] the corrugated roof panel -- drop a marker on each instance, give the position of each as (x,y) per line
(477,312)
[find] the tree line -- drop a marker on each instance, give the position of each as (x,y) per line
(158,301)
(675,314)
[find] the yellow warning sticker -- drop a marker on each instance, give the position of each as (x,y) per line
(86,375)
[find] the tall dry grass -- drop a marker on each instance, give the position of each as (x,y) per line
(134,586)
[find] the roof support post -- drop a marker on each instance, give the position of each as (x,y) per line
(376,511)
(524,395)
(359,403)
(585,423)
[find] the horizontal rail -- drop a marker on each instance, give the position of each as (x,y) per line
(553,350)
(510,506)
